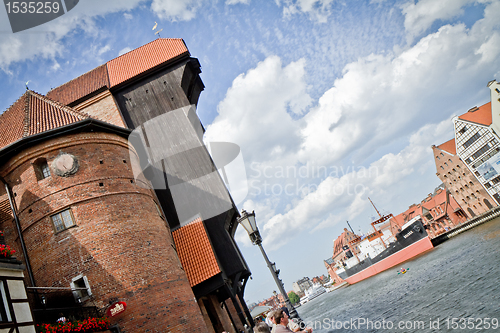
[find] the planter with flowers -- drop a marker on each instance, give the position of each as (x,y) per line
(5,250)
(84,326)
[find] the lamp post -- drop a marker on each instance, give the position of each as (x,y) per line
(247,220)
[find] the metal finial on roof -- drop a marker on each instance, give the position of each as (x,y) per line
(157,32)
(27,84)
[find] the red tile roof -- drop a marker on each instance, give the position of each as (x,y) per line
(195,252)
(144,58)
(449,146)
(32,114)
(481,115)
(81,86)
(121,69)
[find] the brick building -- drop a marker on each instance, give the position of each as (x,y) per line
(342,248)
(477,144)
(90,222)
(461,183)
(439,212)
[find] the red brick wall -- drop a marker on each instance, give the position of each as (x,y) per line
(102,107)
(120,242)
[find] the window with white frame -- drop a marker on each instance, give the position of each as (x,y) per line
(63,220)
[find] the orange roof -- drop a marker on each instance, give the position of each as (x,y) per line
(481,115)
(32,114)
(81,86)
(144,58)
(449,146)
(121,69)
(195,252)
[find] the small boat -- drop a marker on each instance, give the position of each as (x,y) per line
(403,270)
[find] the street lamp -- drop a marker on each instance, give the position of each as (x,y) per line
(247,220)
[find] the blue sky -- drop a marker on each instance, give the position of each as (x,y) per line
(330,101)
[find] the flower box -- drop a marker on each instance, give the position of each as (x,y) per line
(90,325)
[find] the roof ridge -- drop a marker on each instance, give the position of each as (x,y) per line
(26,125)
(106,63)
(80,115)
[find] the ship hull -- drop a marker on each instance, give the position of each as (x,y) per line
(416,243)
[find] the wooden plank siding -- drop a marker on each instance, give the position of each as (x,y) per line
(192,185)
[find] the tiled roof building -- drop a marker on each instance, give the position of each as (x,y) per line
(32,114)
(469,164)
(79,131)
(439,212)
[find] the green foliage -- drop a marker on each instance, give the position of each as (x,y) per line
(294,298)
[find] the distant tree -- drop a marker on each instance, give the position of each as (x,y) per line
(294,298)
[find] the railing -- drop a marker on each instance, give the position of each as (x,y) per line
(50,315)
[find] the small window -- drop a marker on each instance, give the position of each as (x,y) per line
(81,288)
(42,169)
(63,220)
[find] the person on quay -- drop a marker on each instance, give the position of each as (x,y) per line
(282,323)
(261,328)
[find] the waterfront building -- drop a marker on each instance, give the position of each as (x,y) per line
(459,180)
(92,224)
(342,249)
(478,144)
(439,212)
(302,285)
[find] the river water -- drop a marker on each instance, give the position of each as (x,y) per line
(452,288)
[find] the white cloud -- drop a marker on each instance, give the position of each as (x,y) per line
(124,50)
(257,112)
(420,16)
(234,2)
(128,16)
(318,10)
(176,10)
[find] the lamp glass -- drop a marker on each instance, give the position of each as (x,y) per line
(248,222)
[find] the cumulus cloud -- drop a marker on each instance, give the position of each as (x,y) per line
(401,100)
(176,10)
(421,15)
(259,109)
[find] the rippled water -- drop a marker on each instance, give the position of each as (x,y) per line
(455,286)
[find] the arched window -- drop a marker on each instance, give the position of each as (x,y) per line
(471,212)
(487,203)
(41,168)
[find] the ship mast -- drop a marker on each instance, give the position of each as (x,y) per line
(380,220)
(374,207)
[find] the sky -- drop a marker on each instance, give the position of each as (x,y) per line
(331,102)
